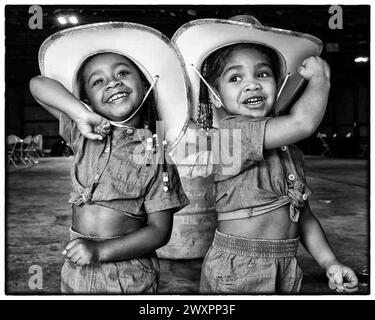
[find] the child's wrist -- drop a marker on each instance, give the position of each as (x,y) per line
(81,116)
(101,251)
(330,263)
(320,83)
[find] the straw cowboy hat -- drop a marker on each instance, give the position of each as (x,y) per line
(197,39)
(61,55)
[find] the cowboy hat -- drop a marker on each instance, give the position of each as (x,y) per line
(61,55)
(197,39)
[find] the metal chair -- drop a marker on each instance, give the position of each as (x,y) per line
(28,151)
(37,144)
(322,137)
(13,149)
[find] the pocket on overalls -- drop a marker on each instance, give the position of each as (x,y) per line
(148,263)
(70,274)
(139,275)
(234,273)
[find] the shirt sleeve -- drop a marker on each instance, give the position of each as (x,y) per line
(68,129)
(157,199)
(241,144)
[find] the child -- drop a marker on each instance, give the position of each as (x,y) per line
(122,203)
(262,205)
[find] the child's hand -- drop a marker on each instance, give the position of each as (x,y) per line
(94,126)
(315,69)
(82,251)
(342,278)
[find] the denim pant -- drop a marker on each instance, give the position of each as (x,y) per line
(236,265)
(133,276)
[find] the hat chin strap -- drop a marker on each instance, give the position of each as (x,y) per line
(283,85)
(121,123)
(218,98)
(206,83)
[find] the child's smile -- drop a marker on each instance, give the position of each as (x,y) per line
(247,85)
(118,97)
(113,86)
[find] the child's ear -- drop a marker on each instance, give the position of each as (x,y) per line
(215,98)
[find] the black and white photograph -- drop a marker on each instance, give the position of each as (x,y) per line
(187,150)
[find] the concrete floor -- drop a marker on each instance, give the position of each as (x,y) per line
(38,216)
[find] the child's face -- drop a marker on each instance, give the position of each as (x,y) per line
(247,84)
(113,86)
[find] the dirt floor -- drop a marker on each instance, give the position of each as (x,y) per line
(38,216)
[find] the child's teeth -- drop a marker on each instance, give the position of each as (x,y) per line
(254,100)
(117,96)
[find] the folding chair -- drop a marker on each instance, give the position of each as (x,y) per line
(322,137)
(12,141)
(28,150)
(37,145)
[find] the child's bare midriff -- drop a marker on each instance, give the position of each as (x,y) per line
(275,224)
(99,221)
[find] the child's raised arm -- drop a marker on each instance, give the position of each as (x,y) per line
(307,113)
(56,99)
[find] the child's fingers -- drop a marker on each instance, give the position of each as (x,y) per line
(71,244)
(350,279)
(327,70)
(75,257)
(335,276)
(93,136)
(107,125)
(350,290)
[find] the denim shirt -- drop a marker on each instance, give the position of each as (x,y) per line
(114,174)
(263,180)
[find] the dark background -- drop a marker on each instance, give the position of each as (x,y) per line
(348,107)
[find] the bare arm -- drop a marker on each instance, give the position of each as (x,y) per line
(315,241)
(307,113)
(56,99)
(53,96)
(151,237)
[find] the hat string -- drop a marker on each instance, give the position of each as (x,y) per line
(218,98)
(283,84)
(206,83)
(121,123)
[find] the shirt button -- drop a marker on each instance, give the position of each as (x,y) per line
(96,176)
(304,196)
(291,177)
(283,148)
(171,154)
(107,149)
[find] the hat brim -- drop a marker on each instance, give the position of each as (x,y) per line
(61,55)
(197,39)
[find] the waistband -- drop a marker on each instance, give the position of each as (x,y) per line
(75,234)
(254,211)
(261,248)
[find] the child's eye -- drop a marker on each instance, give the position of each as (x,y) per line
(234,79)
(98,82)
(263,74)
(122,73)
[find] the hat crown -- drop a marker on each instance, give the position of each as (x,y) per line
(246,18)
